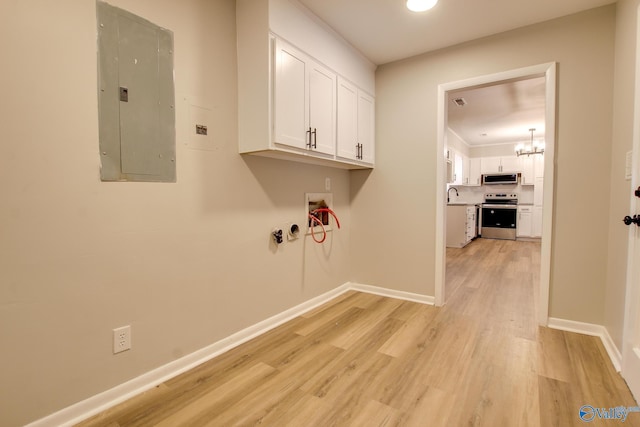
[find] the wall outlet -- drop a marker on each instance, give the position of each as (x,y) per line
(121,339)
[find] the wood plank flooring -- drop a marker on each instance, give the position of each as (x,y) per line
(367,360)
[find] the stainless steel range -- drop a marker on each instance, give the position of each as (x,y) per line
(499,213)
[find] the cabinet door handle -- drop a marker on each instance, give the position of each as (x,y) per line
(309,138)
(315,137)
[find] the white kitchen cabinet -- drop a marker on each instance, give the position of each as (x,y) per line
(458,166)
(305,101)
(524,223)
(471,174)
(538,165)
(504,164)
(490,165)
(510,164)
(356,123)
(471,224)
(532,168)
(461,225)
(537,222)
(455,166)
(288,69)
(528,174)
(538,191)
(537,206)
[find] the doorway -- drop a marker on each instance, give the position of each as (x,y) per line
(548,72)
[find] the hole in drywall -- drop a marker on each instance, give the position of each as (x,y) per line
(314,201)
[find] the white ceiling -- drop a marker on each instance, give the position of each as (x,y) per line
(499,114)
(385,31)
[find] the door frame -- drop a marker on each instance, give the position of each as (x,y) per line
(630,368)
(549,71)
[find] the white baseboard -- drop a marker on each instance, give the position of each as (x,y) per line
(94,405)
(391,293)
(593,330)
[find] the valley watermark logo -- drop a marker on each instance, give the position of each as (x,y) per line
(588,413)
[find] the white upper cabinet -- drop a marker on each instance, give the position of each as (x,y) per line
(532,168)
(305,101)
(538,165)
(289,103)
(322,109)
(458,167)
(510,164)
(471,174)
(347,119)
(528,174)
(366,127)
(501,164)
(290,93)
(356,123)
(490,165)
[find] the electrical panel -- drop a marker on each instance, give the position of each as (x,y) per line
(136,98)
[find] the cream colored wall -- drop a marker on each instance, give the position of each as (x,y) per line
(494,150)
(184,264)
(621,142)
(393,237)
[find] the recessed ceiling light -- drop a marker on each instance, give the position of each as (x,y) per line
(420,5)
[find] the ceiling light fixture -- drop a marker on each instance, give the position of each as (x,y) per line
(420,5)
(536,147)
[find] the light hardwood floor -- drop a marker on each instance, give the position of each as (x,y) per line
(366,360)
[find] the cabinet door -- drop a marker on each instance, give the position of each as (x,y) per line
(457,169)
(490,165)
(524,223)
(472,171)
(536,230)
(322,108)
(538,191)
(510,164)
(290,113)
(527,170)
(347,126)
(366,127)
(539,165)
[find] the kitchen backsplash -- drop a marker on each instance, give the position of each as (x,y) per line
(473,195)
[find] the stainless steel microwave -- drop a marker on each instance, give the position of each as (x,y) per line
(500,178)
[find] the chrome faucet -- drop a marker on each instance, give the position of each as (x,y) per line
(451,188)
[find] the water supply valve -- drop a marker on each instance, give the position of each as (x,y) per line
(277,236)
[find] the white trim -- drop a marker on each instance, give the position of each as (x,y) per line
(441,205)
(548,70)
(631,330)
(391,293)
(100,402)
(592,330)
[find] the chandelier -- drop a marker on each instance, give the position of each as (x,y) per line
(534,147)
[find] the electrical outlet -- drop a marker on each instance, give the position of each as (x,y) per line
(121,339)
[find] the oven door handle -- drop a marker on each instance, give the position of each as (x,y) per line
(500,206)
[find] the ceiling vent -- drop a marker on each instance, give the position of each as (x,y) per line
(460,102)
